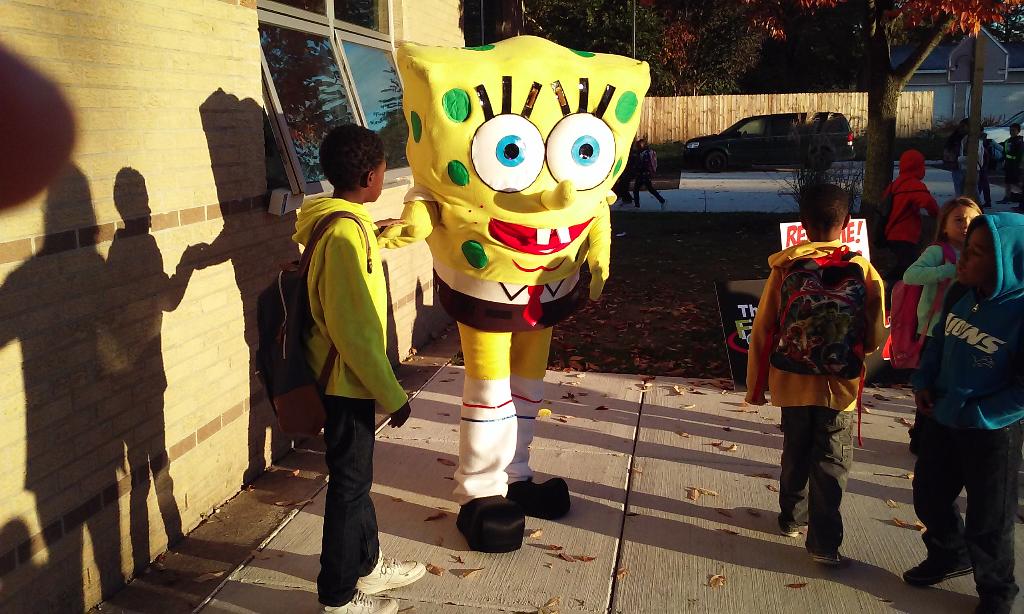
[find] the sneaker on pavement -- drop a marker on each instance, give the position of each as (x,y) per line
(830,559)
(931,572)
(363,604)
(790,530)
(389,574)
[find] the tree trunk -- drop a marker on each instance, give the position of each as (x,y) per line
(883,98)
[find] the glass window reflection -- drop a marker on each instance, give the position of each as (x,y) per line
(380,93)
(372,14)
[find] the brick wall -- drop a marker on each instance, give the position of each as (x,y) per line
(128,410)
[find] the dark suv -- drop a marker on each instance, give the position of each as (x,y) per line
(815,140)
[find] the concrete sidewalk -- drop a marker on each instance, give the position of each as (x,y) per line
(639,542)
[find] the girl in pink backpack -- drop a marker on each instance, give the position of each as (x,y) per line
(930,276)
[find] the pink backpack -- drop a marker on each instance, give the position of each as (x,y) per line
(906,344)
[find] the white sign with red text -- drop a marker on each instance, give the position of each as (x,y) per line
(855,236)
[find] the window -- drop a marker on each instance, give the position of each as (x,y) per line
(751,127)
(784,125)
(326,68)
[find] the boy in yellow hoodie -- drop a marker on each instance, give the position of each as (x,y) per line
(817,410)
(348,299)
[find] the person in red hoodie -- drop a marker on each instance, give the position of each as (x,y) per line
(909,196)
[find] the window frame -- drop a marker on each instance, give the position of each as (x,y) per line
(336,32)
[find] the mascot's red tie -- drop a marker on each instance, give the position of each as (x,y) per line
(533,310)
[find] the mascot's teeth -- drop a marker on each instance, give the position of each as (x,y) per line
(563,235)
(543,236)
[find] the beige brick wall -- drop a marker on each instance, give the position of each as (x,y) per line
(129,410)
(430,22)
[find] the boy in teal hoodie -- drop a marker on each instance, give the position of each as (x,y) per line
(971,382)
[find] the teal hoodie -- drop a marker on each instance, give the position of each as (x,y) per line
(975,360)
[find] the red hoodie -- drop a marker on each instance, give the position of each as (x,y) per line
(910,195)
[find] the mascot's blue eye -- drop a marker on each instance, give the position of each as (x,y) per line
(509,151)
(586,150)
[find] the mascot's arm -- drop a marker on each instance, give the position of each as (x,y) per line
(599,255)
(418,221)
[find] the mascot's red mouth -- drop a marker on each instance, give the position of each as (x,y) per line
(539,241)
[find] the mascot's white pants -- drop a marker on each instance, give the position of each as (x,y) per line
(501,397)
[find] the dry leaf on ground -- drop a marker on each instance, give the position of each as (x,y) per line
(551,607)
(568,396)
(905,422)
(796,585)
(206,577)
(601,408)
(689,406)
(437,516)
(727,531)
(434,569)
(295,473)
(565,557)
(467,573)
(621,572)
(534,533)
(584,558)
(891,503)
(456,559)
(728,447)
(552,547)
(683,434)
(880,397)
(446,462)
(772,487)
(917,526)
(678,389)
(716,580)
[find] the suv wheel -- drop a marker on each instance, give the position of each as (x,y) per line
(715,162)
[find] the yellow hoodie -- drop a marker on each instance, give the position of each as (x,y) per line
(349,306)
(792,389)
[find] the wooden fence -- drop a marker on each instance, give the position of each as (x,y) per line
(680,118)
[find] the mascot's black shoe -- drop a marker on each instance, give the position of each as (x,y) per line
(492,524)
(549,500)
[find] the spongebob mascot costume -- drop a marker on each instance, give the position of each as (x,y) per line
(514,148)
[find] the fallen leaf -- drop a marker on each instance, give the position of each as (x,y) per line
(446,462)
(437,516)
(456,559)
(903,524)
(724,512)
(584,558)
(579,602)
(569,396)
(552,547)
(689,406)
(562,419)
(295,473)
(621,572)
(772,487)
(727,531)
(715,443)
(905,422)
(867,409)
(551,607)
(206,577)
(796,585)
(434,569)
(467,573)
(564,557)
(683,434)
(397,499)
(880,397)
(891,503)
(678,389)
(716,580)
(728,447)
(534,533)
(601,408)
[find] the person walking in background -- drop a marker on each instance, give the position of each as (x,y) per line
(909,196)
(648,166)
(951,152)
(1013,147)
(985,162)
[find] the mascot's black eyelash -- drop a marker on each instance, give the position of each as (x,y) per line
(560,94)
(531,98)
(584,94)
(606,99)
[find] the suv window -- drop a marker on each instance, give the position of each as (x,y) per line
(837,124)
(784,125)
(752,127)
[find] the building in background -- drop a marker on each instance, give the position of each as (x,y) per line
(127,290)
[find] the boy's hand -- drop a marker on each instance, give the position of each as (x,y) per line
(389,221)
(756,400)
(400,415)
(925,400)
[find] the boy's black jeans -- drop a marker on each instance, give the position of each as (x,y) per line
(350,546)
(817,449)
(985,462)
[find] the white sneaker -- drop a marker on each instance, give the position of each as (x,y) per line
(389,574)
(363,604)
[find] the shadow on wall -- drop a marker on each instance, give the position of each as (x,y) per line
(89,332)
(251,242)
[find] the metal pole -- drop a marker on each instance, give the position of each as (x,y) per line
(634,29)
(482,41)
(977,79)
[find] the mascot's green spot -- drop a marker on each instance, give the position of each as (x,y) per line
(480,48)
(584,54)
(457,173)
(456,105)
(618,165)
(626,106)
(475,255)
(417,126)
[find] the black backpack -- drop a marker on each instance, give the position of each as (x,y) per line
(282,318)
